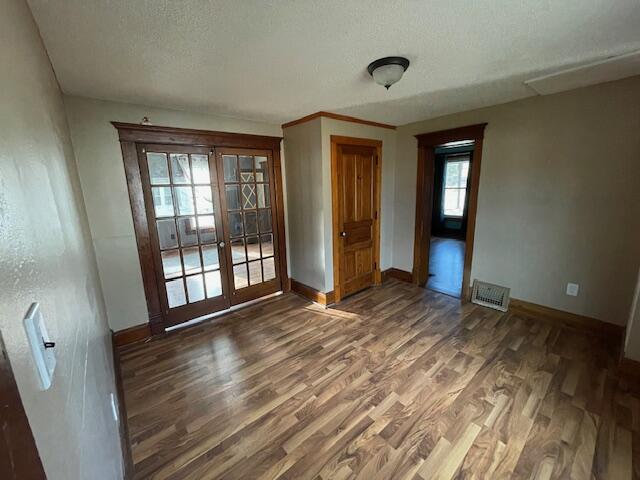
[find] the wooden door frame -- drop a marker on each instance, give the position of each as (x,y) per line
(130,135)
(19,456)
(427,143)
(335,203)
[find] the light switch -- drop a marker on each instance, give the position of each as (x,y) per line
(42,348)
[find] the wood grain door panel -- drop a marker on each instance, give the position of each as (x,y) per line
(357,215)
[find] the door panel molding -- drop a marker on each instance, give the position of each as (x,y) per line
(427,142)
(337,221)
(132,138)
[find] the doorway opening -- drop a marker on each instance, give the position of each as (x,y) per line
(449,219)
(446,204)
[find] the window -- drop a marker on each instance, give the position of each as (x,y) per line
(456,171)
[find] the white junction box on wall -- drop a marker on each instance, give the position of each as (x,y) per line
(42,348)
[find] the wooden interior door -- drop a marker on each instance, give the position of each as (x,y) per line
(182,203)
(249,223)
(356,189)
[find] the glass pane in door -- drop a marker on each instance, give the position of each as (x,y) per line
(184,207)
(249,218)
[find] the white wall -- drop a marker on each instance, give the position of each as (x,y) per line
(104,187)
(47,258)
(558,199)
(308,152)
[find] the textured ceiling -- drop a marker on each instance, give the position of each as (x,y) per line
(279,60)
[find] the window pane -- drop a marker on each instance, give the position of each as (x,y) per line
(262,169)
(230,166)
(233,196)
(210,257)
(158,170)
(464,173)
(453,204)
(249,196)
(175,293)
(246,169)
(269,267)
(235,224)
(180,168)
(456,172)
(187,230)
(162,201)
(213,284)
(167,235)
(191,259)
(240,276)
(267,245)
(250,223)
(264,200)
(184,197)
(200,168)
(255,272)
(204,199)
(253,248)
(237,251)
(195,288)
(207,229)
(171,264)
(264,220)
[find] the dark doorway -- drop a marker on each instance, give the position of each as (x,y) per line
(452,165)
(448,178)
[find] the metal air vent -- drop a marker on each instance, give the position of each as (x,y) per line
(489,295)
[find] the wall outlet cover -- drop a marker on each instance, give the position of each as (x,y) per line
(41,347)
(573,289)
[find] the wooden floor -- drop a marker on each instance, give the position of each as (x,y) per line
(446,265)
(396,382)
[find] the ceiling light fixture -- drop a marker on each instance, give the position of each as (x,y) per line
(387,71)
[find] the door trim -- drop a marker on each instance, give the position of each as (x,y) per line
(130,135)
(427,143)
(335,204)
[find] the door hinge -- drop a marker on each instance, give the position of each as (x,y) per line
(375,215)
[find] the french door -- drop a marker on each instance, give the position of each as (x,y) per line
(252,253)
(211,226)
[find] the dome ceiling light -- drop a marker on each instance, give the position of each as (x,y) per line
(388,70)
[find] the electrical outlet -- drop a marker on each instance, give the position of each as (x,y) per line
(572,289)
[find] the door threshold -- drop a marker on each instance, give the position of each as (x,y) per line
(220,313)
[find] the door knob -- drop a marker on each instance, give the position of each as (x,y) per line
(343,234)
(221,244)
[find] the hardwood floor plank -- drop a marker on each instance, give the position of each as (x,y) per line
(396,382)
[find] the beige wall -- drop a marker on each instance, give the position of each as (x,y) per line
(47,258)
(558,199)
(632,341)
(302,150)
(105,193)
(307,149)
